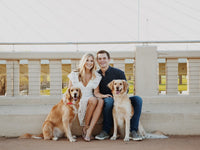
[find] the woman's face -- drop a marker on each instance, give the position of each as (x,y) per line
(89,64)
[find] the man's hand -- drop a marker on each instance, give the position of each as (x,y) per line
(106,95)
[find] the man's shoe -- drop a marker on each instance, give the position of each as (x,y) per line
(135,136)
(102,136)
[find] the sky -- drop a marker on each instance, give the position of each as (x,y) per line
(99,20)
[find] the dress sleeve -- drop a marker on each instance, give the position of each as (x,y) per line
(73,76)
(96,80)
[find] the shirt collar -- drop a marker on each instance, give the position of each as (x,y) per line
(108,70)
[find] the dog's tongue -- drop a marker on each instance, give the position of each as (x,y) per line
(75,99)
(117,92)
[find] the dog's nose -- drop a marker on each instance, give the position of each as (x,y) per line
(75,94)
(117,88)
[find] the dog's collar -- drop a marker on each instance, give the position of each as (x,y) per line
(69,103)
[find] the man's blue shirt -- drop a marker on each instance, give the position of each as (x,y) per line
(110,74)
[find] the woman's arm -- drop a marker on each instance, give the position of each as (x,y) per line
(99,95)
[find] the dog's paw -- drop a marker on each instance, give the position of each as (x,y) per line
(74,137)
(126,139)
(113,138)
(72,140)
(55,138)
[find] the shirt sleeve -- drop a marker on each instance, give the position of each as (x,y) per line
(122,75)
(73,76)
(96,80)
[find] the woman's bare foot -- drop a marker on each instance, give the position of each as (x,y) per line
(84,131)
(87,139)
(88,135)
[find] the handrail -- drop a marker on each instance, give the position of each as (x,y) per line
(96,42)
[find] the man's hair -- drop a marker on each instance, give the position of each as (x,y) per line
(103,51)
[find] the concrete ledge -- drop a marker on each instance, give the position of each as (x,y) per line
(46,100)
(172,119)
(17,120)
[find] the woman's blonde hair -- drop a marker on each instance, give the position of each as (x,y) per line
(81,68)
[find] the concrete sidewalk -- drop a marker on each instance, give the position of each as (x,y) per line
(172,143)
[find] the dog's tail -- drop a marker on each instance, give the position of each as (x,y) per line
(28,136)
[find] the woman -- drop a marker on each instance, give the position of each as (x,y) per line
(91,103)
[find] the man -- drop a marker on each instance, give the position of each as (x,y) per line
(108,74)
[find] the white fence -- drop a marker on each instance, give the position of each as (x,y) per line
(145,70)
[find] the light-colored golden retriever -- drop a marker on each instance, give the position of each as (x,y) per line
(59,120)
(122,109)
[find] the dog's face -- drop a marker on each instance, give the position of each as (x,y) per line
(72,95)
(118,86)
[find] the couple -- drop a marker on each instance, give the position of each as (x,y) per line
(96,96)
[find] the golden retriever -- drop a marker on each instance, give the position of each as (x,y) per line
(59,120)
(122,109)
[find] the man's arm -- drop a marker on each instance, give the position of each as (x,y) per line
(99,95)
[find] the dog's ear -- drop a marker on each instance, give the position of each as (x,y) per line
(80,93)
(125,84)
(68,94)
(110,85)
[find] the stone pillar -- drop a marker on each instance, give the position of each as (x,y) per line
(146,73)
(193,72)
(55,77)
(171,76)
(9,78)
(16,78)
(12,68)
(34,68)
(74,64)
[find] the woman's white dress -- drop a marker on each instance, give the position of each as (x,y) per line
(87,92)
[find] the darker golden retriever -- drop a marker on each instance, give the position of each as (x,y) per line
(59,120)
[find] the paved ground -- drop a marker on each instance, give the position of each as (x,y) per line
(172,143)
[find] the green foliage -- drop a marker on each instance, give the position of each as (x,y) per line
(131,87)
(181,87)
(45,92)
(64,90)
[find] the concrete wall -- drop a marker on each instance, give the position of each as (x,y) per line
(171,113)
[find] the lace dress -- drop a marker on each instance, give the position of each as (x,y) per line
(87,92)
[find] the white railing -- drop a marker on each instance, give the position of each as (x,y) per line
(193,70)
(146,72)
(12,60)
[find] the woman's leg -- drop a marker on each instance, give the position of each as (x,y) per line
(95,117)
(92,103)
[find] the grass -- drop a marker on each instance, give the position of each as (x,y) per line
(45,92)
(162,87)
(181,87)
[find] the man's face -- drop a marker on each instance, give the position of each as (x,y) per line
(103,60)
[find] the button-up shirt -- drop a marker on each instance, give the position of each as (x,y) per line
(110,74)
